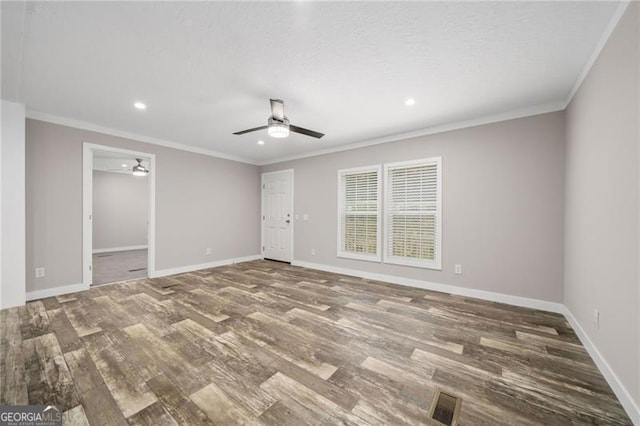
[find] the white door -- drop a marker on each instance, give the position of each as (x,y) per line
(277,215)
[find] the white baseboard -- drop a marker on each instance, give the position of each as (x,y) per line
(109,250)
(618,388)
(56,291)
(445,288)
(191,268)
(73,288)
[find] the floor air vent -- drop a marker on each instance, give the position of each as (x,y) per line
(136,270)
(445,409)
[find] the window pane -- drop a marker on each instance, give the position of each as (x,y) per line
(413,236)
(359,212)
(413,212)
(361,233)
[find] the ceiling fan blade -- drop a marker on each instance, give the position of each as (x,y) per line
(304,131)
(242,132)
(277,109)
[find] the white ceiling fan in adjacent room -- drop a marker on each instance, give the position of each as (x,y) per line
(139,169)
(122,165)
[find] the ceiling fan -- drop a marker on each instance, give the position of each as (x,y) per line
(278,124)
(138,170)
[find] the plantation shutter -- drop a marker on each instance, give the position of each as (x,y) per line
(359,219)
(413,213)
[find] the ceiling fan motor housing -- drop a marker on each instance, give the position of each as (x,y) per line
(274,121)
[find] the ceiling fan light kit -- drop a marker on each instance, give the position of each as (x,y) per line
(278,125)
(278,129)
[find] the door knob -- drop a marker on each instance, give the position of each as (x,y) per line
(288,221)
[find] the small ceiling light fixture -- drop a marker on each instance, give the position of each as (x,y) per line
(123,165)
(278,129)
(140,105)
(260,142)
(410,102)
(139,169)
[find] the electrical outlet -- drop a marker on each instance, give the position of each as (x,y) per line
(40,272)
(596,318)
(305,216)
(313,252)
(458,269)
(208,251)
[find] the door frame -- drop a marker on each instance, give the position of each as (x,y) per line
(262,215)
(88,150)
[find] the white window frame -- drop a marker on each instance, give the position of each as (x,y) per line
(399,260)
(360,256)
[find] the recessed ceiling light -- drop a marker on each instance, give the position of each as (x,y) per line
(140,105)
(123,165)
(260,142)
(410,102)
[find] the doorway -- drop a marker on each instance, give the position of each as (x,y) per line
(119,215)
(277,215)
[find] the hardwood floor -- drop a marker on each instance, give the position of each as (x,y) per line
(268,343)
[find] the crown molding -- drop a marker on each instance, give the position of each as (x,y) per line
(613,23)
(520,113)
(536,110)
(63,121)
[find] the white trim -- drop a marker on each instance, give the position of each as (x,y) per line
(359,256)
(618,388)
(55,291)
(13,271)
(441,128)
(78,124)
(87,215)
(613,23)
(399,260)
(87,207)
(292,207)
(112,249)
(214,264)
(444,288)
(638,218)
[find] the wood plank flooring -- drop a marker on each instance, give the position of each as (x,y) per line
(268,343)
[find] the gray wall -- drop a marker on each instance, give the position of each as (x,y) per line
(201,202)
(602,227)
(503,190)
(120,210)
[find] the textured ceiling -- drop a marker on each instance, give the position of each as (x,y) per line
(206,70)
